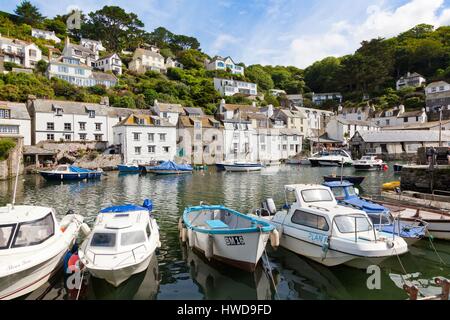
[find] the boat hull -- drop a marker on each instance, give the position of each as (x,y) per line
(243,168)
(366,167)
(354,180)
(244,256)
(128,169)
(168,172)
(118,276)
(52,176)
(328,163)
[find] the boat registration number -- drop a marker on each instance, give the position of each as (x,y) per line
(235,241)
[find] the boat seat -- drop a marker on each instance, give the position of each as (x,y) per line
(216,224)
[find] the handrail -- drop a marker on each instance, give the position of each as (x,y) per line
(353,215)
(113,254)
(441,191)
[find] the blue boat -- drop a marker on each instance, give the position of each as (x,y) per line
(346,194)
(71,173)
(128,168)
(170,167)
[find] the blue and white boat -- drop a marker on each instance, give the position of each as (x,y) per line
(68,172)
(227,235)
(243,167)
(346,194)
(170,167)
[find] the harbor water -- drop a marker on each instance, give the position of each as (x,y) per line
(178,273)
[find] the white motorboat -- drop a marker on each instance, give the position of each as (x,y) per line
(335,158)
(368,163)
(300,161)
(226,235)
(122,243)
(315,226)
(243,167)
(32,247)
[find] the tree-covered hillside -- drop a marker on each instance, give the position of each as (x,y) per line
(372,70)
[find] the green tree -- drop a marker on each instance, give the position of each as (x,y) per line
(29,13)
(6,145)
(258,75)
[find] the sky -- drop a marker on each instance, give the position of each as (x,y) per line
(275,32)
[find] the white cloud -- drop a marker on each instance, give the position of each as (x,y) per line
(221,41)
(343,37)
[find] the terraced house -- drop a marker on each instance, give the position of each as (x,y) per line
(23,53)
(143,138)
(15,121)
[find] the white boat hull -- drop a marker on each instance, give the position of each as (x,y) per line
(244,256)
(242,169)
(118,276)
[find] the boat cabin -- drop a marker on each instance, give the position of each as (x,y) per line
(25,226)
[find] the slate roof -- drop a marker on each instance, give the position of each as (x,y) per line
(18,110)
(70,107)
(194,111)
(411,114)
(169,107)
(412,126)
(403,136)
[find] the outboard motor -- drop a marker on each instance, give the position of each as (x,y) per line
(268,208)
(148,204)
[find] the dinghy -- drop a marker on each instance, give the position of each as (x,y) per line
(32,247)
(122,243)
(243,167)
(67,172)
(226,235)
(170,167)
(369,163)
(313,225)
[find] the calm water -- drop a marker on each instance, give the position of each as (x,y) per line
(178,273)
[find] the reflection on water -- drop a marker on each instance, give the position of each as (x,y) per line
(183,274)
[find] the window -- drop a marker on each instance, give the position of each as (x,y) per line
(91,113)
(105,240)
(98,137)
(67,126)
(284,147)
(417,119)
(82,126)
(151,149)
(197,125)
(131,238)
(214,137)
(50,136)
(67,137)
(137,150)
(310,220)
(5,114)
(162,137)
(164,114)
(6,232)
(151,137)
(63,69)
(34,232)
(405,119)
(263,147)
(316,195)
(294,138)
(339,193)
(292,147)
(346,224)
(79,71)
(136,136)
(148,230)
(50,126)
(98,127)
(9,129)
(82,136)
(166,149)
(262,139)
(388,122)
(198,136)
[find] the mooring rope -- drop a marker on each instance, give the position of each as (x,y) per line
(268,269)
(431,238)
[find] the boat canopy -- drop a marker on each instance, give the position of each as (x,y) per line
(172,166)
(79,170)
(147,206)
(335,184)
(365,205)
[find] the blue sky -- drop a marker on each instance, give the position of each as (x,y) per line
(285,32)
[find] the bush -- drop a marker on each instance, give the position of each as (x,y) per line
(6,145)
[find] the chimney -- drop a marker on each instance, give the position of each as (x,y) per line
(222,106)
(402,109)
(254,104)
(104,101)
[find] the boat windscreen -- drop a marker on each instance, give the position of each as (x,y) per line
(316,195)
(352,224)
(103,239)
(132,237)
(34,232)
(6,232)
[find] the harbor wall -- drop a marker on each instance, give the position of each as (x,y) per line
(8,167)
(425,179)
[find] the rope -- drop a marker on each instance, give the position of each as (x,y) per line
(430,237)
(81,282)
(268,269)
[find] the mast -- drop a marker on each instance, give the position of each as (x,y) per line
(15,184)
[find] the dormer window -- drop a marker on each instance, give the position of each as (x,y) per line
(158,122)
(91,113)
(58,111)
(5,114)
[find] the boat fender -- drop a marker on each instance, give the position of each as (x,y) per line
(389,244)
(190,236)
(180,224)
(85,229)
(209,250)
(183,235)
(275,238)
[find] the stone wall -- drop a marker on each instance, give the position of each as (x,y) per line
(8,167)
(423,179)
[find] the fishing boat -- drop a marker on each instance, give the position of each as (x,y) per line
(122,242)
(243,167)
(170,167)
(68,172)
(369,163)
(33,244)
(334,158)
(129,168)
(346,194)
(313,225)
(356,180)
(226,235)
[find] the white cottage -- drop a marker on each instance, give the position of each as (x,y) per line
(45,34)
(15,121)
(145,138)
(23,53)
(343,130)
(111,62)
(219,63)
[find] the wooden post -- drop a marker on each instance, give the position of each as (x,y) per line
(445,285)
(412,291)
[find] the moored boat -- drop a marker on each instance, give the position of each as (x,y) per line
(32,247)
(335,158)
(169,168)
(129,168)
(122,243)
(347,195)
(369,163)
(243,167)
(312,224)
(356,180)
(226,235)
(68,172)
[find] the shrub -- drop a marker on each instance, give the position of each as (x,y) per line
(6,145)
